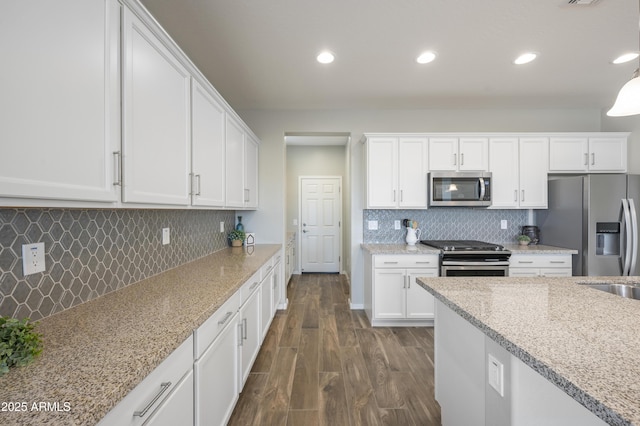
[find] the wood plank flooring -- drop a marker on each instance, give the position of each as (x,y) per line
(322,364)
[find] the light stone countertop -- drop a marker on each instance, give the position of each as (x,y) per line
(399,249)
(583,340)
(538,249)
(97,352)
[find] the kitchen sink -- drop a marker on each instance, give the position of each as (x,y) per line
(624,290)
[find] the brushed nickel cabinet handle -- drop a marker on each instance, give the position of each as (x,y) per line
(226,317)
(117,168)
(163,388)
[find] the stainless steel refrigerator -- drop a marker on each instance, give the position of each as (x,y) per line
(596,215)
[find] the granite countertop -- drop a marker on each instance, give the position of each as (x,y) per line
(97,352)
(399,249)
(538,249)
(583,340)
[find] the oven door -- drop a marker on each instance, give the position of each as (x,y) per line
(474,269)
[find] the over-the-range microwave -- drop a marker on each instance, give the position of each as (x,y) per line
(460,189)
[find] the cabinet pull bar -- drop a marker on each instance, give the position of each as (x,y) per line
(240,335)
(593,158)
(198,185)
(556,261)
(455,159)
(244,324)
(525,261)
(163,388)
(246,195)
(117,168)
(586,158)
(253,285)
(394,195)
(515,195)
(226,317)
(423,263)
(390,263)
(522,199)
(462,159)
(401,195)
(404,282)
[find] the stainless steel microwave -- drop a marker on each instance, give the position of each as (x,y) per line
(460,189)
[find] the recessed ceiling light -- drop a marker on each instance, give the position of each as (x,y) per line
(426,57)
(627,57)
(525,58)
(325,57)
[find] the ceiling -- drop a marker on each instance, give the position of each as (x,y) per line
(260,54)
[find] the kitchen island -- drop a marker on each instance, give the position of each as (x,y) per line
(537,350)
(94,354)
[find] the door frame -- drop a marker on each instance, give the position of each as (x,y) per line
(299,229)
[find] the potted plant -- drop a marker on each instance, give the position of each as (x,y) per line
(523,240)
(237,237)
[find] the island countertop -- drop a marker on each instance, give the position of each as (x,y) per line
(583,340)
(95,353)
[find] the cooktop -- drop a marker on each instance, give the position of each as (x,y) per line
(463,245)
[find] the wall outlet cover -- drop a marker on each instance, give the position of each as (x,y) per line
(373,225)
(396,224)
(503,224)
(496,374)
(221,226)
(33,258)
(166,236)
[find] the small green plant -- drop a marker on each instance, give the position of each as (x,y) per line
(524,238)
(237,234)
(19,343)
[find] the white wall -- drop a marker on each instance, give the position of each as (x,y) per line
(271,126)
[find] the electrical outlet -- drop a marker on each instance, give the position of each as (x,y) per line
(396,224)
(496,374)
(221,226)
(373,225)
(32,258)
(503,224)
(166,236)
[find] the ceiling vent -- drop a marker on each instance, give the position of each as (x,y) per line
(582,2)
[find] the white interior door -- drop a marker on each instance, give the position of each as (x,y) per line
(320,216)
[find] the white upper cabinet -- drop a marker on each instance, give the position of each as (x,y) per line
(234,180)
(208,141)
(397,172)
(60,102)
(156,143)
(519,172)
(250,173)
(458,154)
(588,153)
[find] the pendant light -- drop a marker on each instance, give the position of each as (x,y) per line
(628,100)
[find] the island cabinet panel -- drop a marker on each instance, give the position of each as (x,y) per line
(540,265)
(392,295)
(494,387)
(165,394)
(60,101)
(156,113)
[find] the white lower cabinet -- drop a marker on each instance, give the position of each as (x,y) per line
(249,327)
(392,296)
(164,397)
(267,296)
(540,265)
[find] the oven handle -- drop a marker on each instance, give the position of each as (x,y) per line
(453,263)
(482,189)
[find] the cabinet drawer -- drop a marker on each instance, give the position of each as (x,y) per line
(145,398)
(209,330)
(540,261)
(406,261)
(249,287)
(266,268)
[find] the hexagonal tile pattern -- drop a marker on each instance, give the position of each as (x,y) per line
(92,252)
(441,223)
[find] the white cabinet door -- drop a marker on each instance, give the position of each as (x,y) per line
(568,154)
(278,287)
(156,144)
(177,409)
(250,173)
(419,301)
(389,294)
(216,384)
(443,154)
(533,173)
(207,137)
(504,166)
(266,303)
(608,154)
(382,173)
(412,172)
(234,176)
(473,154)
(60,101)
(249,327)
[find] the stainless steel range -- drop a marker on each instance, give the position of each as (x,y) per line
(469,258)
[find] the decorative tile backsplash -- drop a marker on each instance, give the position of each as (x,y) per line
(89,253)
(446,224)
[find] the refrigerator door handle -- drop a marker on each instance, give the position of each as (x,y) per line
(634,235)
(628,237)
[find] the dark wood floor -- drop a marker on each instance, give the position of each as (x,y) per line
(322,364)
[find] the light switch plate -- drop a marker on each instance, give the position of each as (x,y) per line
(166,236)
(221,226)
(503,224)
(396,224)
(33,258)
(373,225)
(495,370)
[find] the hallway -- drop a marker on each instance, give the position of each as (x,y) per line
(321,364)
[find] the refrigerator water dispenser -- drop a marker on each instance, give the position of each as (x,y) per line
(607,238)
